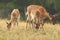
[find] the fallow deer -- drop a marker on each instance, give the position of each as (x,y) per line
(40,10)
(15,16)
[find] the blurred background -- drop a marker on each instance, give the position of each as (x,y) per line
(6,6)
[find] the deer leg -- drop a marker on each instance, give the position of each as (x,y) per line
(26,23)
(14,23)
(17,23)
(42,24)
(28,20)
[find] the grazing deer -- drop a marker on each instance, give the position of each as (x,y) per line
(15,16)
(38,10)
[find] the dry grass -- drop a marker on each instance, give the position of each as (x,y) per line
(52,32)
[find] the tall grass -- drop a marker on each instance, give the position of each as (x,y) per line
(52,32)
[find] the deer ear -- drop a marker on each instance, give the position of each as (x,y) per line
(10,23)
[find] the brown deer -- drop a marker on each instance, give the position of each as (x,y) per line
(38,10)
(15,16)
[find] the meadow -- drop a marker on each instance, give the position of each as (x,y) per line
(51,32)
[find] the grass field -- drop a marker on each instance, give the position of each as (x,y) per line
(52,32)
